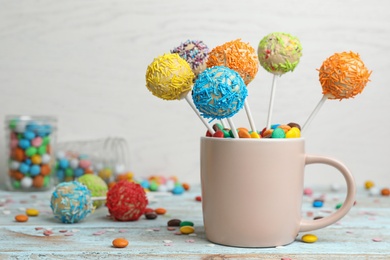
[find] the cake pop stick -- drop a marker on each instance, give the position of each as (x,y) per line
(170,77)
(342,75)
(209,128)
(242,58)
(218,93)
(278,53)
(271,102)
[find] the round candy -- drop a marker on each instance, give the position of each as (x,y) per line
(169,77)
(309,238)
(195,53)
(219,92)
(343,75)
(126,201)
(71,202)
(238,56)
(96,185)
(279,52)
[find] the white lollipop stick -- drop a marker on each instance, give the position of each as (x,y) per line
(98,198)
(211,130)
(271,102)
(249,115)
(315,111)
(233,128)
(222,123)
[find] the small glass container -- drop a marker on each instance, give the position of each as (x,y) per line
(31,143)
(106,157)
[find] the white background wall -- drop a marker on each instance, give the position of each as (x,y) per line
(85,62)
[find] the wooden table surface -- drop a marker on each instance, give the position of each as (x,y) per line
(351,238)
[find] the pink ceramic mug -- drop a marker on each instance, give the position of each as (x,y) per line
(252,191)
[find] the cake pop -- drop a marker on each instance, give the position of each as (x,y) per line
(71,202)
(126,201)
(342,75)
(241,57)
(278,53)
(195,53)
(219,92)
(170,77)
(97,186)
(238,56)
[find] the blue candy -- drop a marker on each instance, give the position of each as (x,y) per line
(78,172)
(35,170)
(24,168)
(63,163)
(178,190)
(29,135)
(318,204)
(24,144)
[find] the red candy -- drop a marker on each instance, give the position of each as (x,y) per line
(126,201)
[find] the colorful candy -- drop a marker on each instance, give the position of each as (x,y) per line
(309,238)
(21,218)
(292,130)
(30,141)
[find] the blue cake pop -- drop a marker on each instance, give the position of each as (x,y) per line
(219,92)
(71,202)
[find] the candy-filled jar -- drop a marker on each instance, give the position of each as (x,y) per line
(31,144)
(106,157)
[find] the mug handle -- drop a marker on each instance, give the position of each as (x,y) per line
(307,225)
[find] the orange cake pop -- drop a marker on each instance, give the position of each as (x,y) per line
(238,56)
(343,75)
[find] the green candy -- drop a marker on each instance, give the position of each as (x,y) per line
(69,172)
(278,133)
(12,124)
(16,184)
(31,151)
(46,181)
(153,186)
(186,223)
(42,149)
(45,140)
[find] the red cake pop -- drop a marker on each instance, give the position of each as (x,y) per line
(126,201)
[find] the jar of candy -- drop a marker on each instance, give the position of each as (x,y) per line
(31,143)
(106,157)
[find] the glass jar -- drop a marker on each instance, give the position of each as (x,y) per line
(31,144)
(106,157)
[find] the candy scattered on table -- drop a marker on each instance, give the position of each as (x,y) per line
(309,238)
(21,218)
(120,242)
(32,212)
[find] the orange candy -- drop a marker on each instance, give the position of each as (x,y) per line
(120,242)
(18,154)
(186,186)
(21,218)
(243,134)
(38,181)
(385,192)
(160,211)
(45,169)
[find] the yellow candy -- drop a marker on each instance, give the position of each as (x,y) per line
(369,184)
(187,230)
(294,132)
(36,159)
(32,212)
(255,135)
(309,238)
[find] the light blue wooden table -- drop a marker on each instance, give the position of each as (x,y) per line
(351,238)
